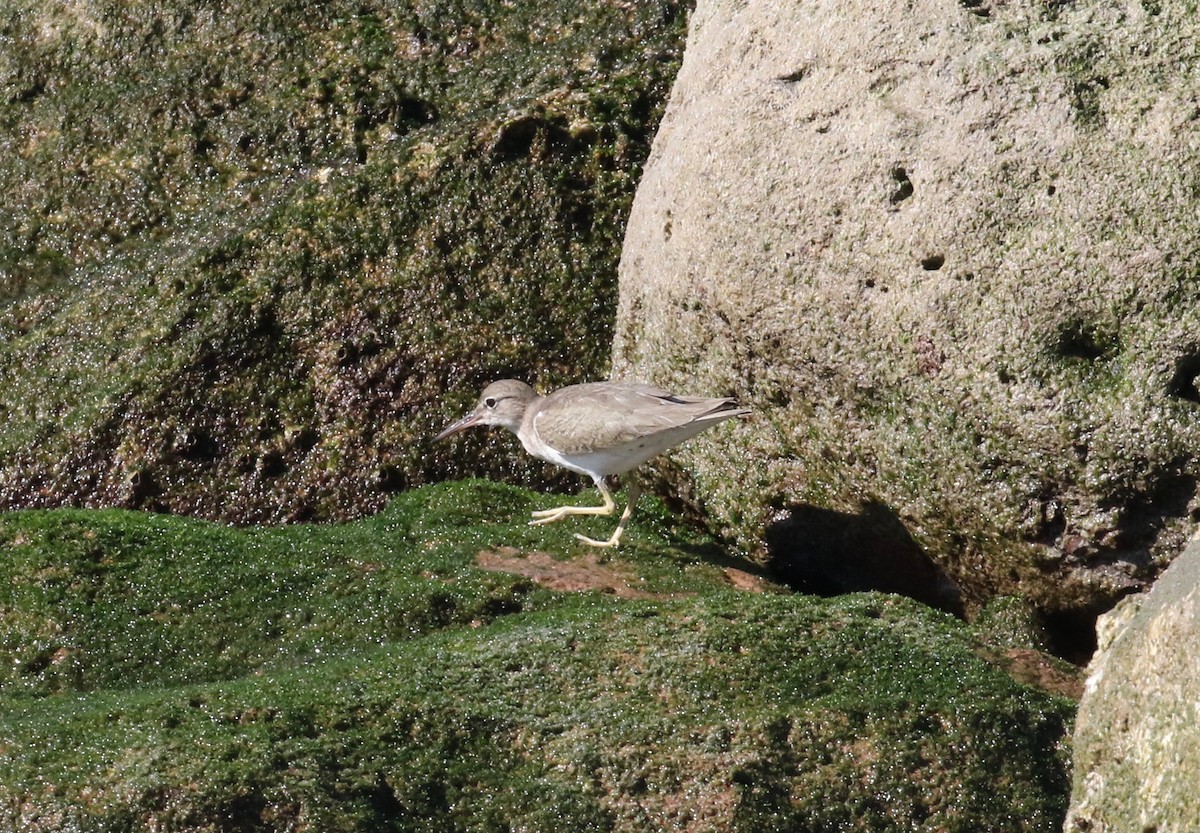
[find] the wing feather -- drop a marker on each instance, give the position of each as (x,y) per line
(606,415)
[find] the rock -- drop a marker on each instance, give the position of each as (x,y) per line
(1137,736)
(947,252)
(431,668)
(255,256)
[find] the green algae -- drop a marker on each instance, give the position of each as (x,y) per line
(97,599)
(236,230)
(371,676)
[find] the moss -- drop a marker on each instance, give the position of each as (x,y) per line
(371,676)
(1011,622)
(324,218)
(96,599)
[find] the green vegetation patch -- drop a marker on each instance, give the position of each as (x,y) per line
(372,677)
(111,598)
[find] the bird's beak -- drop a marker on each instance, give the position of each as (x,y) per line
(466,422)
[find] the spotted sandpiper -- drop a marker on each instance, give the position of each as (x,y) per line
(597,429)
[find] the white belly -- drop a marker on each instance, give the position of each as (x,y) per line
(616,460)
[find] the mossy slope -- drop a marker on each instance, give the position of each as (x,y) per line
(247,250)
(371,677)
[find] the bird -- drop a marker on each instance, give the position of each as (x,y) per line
(596,429)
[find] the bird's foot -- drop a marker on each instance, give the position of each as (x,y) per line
(611,542)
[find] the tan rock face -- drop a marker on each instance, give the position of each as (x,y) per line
(948,253)
(1137,738)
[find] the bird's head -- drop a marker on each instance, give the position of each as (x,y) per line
(501,403)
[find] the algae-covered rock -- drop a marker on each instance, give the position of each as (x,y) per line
(405,673)
(948,252)
(246,249)
(1137,741)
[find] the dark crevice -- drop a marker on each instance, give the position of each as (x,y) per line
(904,186)
(1147,514)
(823,551)
(1183,381)
(1072,634)
(529,136)
(1081,340)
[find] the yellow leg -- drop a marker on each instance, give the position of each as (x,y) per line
(634,494)
(549,516)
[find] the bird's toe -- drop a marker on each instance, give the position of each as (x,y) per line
(611,542)
(540,518)
(557,513)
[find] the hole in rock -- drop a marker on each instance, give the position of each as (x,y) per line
(1081,340)
(1072,634)
(904,186)
(1183,380)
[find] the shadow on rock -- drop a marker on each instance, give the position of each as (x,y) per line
(823,551)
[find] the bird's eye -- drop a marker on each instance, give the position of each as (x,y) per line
(490,402)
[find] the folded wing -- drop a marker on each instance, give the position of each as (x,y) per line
(607,416)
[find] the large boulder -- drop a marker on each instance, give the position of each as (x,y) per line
(1137,739)
(247,249)
(947,252)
